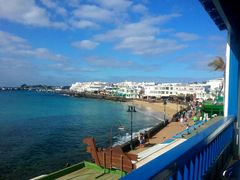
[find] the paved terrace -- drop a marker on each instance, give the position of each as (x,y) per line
(169,137)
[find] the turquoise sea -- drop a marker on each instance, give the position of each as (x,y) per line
(41,132)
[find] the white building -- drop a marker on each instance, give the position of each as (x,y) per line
(87,86)
(175,89)
(160,90)
(216,85)
(128,92)
(126,84)
(130,89)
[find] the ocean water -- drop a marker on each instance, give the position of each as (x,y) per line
(41,132)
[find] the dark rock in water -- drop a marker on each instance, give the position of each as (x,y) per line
(100,96)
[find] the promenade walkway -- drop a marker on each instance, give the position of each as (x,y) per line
(166,133)
(169,137)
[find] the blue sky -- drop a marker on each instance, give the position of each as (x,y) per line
(60,42)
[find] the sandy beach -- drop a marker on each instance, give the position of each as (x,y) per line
(171,108)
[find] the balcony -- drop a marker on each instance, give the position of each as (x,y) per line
(202,156)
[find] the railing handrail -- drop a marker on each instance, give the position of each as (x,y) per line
(167,163)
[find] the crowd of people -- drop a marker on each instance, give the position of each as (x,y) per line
(193,112)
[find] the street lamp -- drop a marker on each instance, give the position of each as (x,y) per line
(164,103)
(131,109)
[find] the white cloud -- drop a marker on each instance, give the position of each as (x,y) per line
(41,53)
(85,44)
(82,24)
(53,5)
(186,36)
(25,12)
(93,12)
(73,69)
(51,13)
(149,45)
(14,46)
(99,62)
(28,13)
(59,25)
(61,11)
(128,30)
(146,27)
(15,72)
(217,38)
(107,62)
(7,39)
(139,8)
(117,5)
(49,3)
(142,37)
(73,3)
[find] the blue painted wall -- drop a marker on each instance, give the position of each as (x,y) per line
(233,80)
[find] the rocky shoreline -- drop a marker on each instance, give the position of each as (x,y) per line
(98,96)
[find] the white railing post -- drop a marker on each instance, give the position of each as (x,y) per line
(226,84)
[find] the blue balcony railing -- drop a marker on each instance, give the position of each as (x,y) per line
(195,158)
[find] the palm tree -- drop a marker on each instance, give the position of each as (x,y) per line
(218,64)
